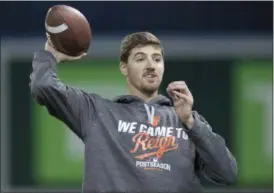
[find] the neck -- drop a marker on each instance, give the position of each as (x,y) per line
(145,96)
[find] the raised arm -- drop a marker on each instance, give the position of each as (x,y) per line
(66,103)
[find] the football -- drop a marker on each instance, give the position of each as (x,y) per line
(68,30)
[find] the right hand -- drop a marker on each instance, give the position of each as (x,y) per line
(60,57)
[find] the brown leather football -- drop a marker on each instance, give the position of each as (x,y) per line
(68,30)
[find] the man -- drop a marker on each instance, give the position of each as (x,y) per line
(140,141)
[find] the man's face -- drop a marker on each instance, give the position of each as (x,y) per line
(145,68)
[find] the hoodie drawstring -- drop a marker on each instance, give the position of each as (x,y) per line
(150,113)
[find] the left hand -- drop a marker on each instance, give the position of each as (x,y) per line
(183,101)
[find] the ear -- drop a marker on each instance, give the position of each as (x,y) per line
(123,68)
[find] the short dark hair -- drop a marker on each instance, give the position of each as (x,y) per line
(137,39)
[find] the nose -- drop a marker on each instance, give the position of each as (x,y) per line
(150,64)
(150,67)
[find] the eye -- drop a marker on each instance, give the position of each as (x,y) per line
(140,59)
(158,60)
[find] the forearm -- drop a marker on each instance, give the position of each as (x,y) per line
(66,103)
(43,76)
(215,160)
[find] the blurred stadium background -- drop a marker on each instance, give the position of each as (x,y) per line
(223,50)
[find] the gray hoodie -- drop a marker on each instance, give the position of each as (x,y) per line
(131,145)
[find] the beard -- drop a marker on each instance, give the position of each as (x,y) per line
(149,89)
(144,85)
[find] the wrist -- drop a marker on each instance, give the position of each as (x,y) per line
(189,122)
(53,56)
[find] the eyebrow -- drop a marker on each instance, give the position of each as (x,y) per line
(138,54)
(154,54)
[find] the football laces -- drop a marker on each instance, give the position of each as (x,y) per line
(49,40)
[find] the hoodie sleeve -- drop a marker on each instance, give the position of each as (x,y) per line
(213,159)
(65,103)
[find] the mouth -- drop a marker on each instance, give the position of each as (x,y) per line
(150,75)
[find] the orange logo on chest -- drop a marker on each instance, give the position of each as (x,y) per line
(157,145)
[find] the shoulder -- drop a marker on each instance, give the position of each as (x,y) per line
(107,103)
